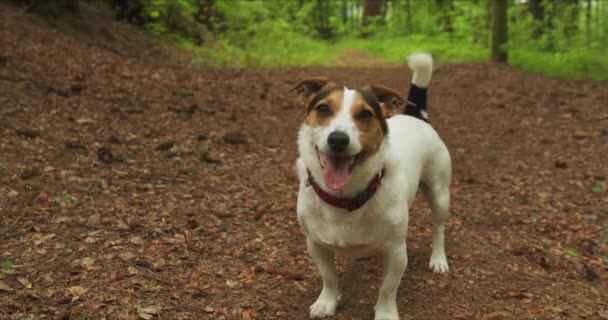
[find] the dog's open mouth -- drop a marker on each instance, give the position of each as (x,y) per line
(337,169)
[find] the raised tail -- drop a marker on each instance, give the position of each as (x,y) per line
(422,66)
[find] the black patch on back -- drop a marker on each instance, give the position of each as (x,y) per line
(322,94)
(370,98)
(418,96)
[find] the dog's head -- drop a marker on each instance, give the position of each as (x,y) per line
(345,127)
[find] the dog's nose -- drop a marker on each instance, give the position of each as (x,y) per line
(338,141)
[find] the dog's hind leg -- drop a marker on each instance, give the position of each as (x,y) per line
(438,196)
(330,294)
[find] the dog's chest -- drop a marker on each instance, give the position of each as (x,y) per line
(347,239)
(352,234)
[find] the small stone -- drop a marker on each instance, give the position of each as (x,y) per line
(114,140)
(28,132)
(77,88)
(498,315)
(94,219)
(580,134)
(590,274)
(104,154)
(12,194)
(74,145)
(29,173)
(59,91)
(235,137)
(165,145)
(561,164)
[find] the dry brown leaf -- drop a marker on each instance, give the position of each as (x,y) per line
(5,287)
(148,312)
(76,292)
(25,282)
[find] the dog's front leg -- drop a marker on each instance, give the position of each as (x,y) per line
(330,294)
(394,261)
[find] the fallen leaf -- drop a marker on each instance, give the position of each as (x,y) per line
(5,287)
(76,292)
(25,282)
(231,284)
(137,240)
(498,315)
(148,312)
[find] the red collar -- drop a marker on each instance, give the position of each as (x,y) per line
(349,204)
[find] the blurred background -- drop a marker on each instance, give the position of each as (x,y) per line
(557,37)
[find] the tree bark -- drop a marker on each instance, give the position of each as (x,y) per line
(571,14)
(538,14)
(499,31)
(371,9)
(588,24)
(408,17)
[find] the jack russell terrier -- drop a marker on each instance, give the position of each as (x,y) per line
(359,172)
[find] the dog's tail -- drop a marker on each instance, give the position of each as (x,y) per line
(422,66)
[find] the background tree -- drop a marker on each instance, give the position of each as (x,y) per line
(372,12)
(499,31)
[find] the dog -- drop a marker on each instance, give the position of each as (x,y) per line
(359,170)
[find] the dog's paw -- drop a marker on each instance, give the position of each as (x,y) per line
(439,263)
(387,312)
(324,307)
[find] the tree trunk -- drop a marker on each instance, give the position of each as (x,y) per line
(588,24)
(371,9)
(344,12)
(499,31)
(448,12)
(538,14)
(571,15)
(205,13)
(52,7)
(408,17)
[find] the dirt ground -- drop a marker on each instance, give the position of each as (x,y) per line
(136,186)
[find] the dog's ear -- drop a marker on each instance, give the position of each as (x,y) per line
(309,87)
(389,99)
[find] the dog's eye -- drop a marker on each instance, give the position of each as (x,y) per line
(365,115)
(323,110)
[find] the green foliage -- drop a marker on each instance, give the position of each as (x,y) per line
(7,264)
(597,189)
(65,199)
(572,252)
(262,33)
(397,48)
(202,153)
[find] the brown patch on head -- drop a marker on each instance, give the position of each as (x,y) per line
(370,122)
(324,106)
(389,99)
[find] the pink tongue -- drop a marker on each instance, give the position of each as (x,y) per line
(335,177)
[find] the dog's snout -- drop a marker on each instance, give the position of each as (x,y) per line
(338,141)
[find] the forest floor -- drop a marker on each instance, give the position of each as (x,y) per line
(135,186)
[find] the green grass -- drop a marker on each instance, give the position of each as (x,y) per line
(276,49)
(395,49)
(576,64)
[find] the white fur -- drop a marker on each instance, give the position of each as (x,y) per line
(411,154)
(422,65)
